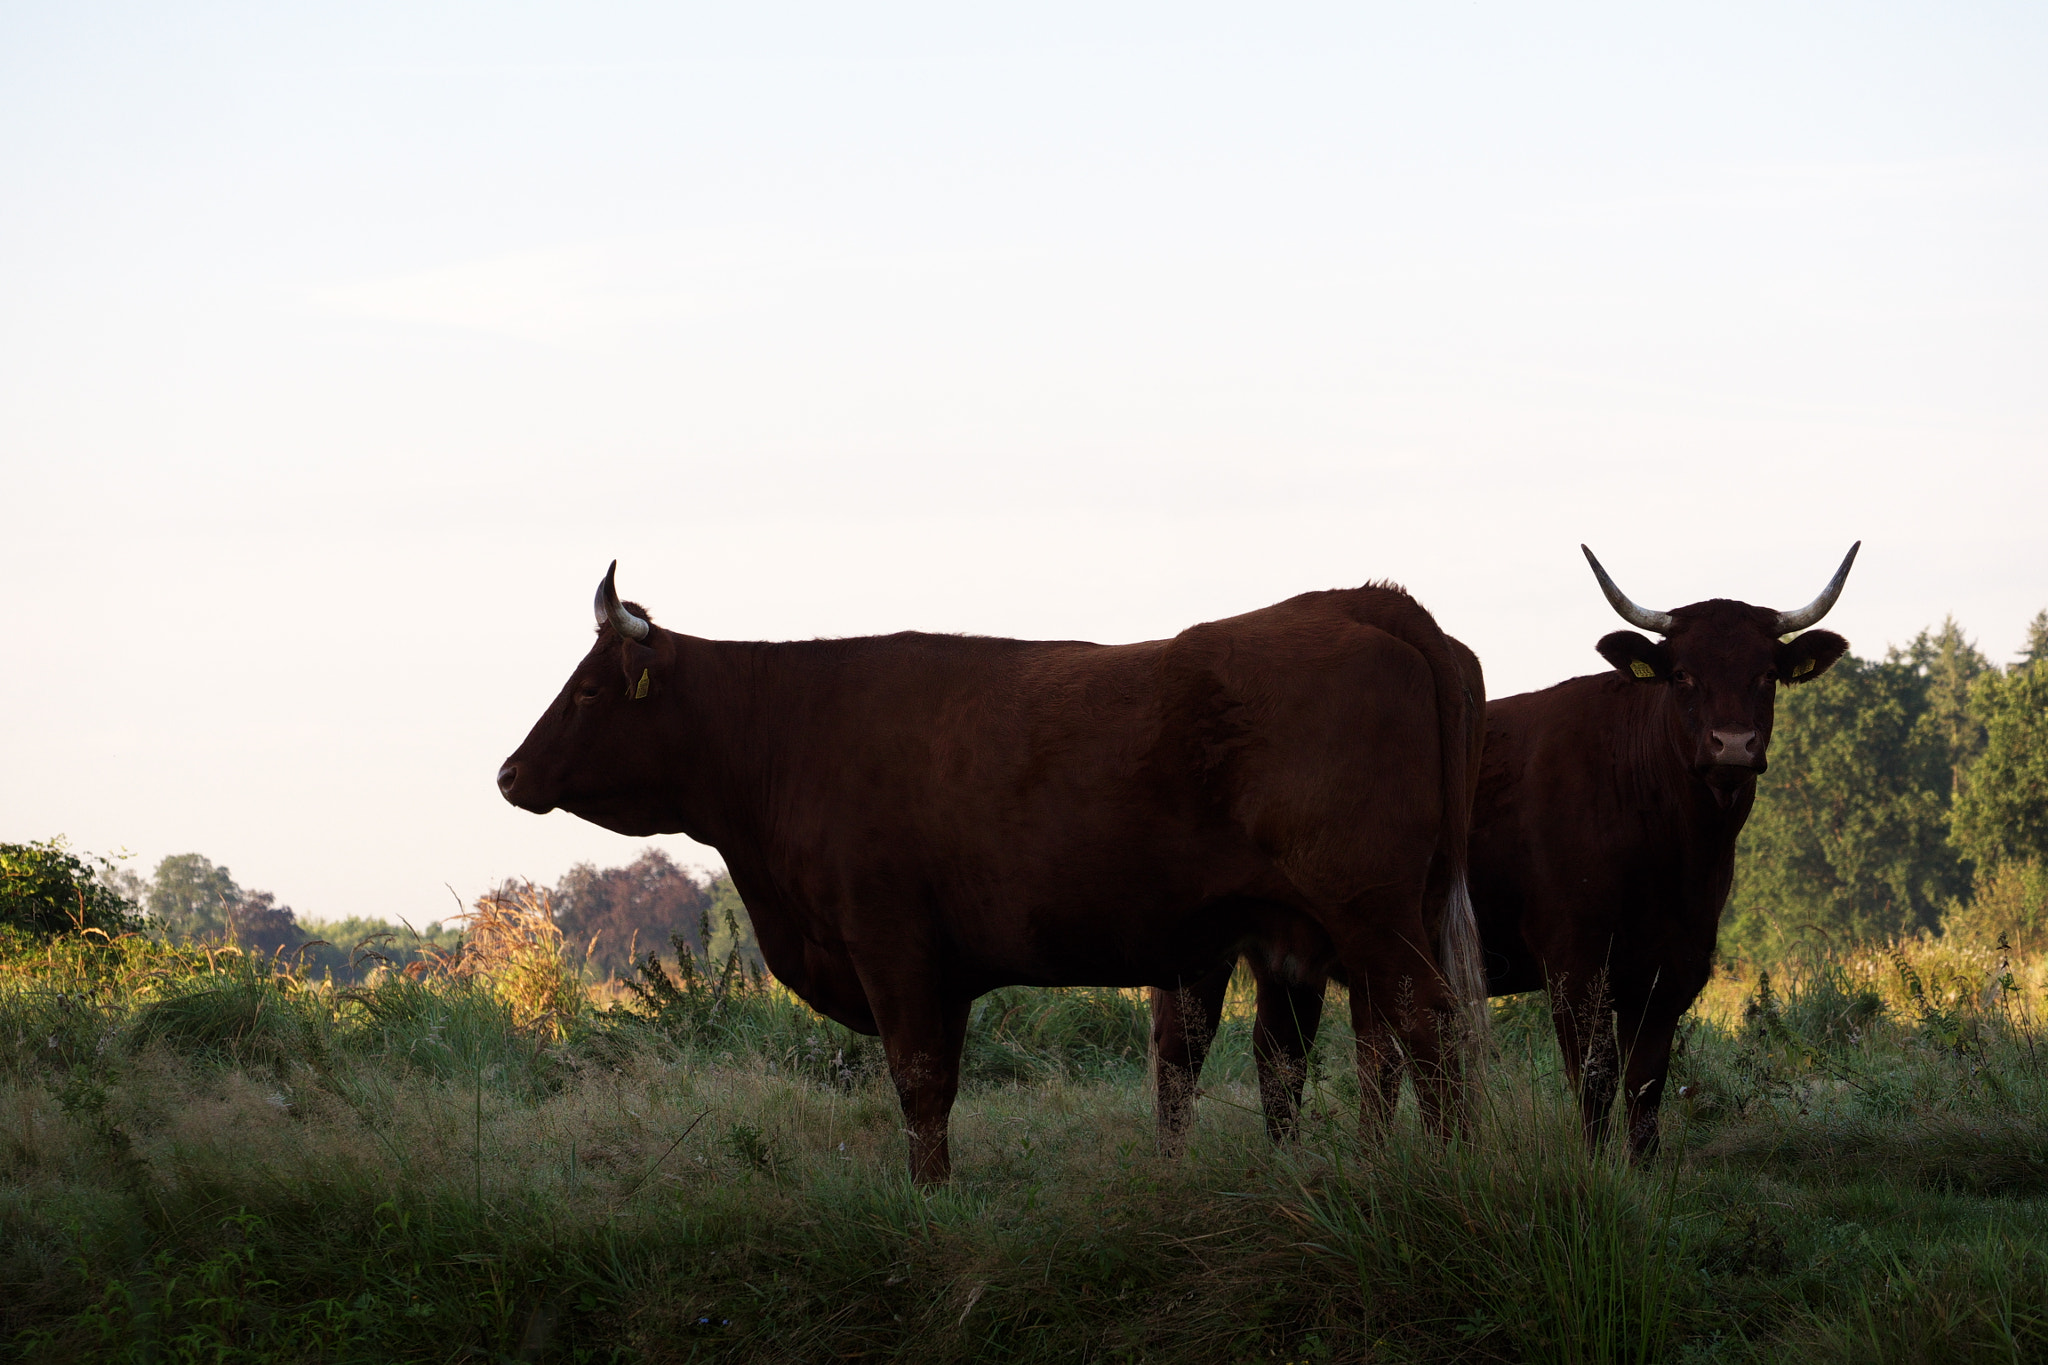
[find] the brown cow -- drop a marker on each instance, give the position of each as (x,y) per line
(916,819)
(1603,844)
(1291,970)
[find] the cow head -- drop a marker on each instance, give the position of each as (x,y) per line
(595,752)
(1719,666)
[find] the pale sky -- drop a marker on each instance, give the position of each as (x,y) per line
(341,348)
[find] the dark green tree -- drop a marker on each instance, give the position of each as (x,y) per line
(2001,814)
(2036,648)
(1951,664)
(47,889)
(1849,838)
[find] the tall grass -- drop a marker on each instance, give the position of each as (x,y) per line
(215,1158)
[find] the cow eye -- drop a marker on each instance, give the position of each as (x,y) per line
(1679,675)
(587,692)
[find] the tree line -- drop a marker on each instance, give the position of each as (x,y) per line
(608,916)
(1905,794)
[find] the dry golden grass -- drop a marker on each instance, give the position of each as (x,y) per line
(1953,974)
(512,944)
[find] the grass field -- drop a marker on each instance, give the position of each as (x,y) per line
(208,1158)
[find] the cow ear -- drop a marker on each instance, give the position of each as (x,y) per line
(637,661)
(1805,657)
(1642,659)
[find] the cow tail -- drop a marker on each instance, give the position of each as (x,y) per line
(1461,726)
(1458,957)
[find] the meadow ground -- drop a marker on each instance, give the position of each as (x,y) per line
(209,1159)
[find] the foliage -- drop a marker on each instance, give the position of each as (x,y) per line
(2002,810)
(1549,1257)
(690,1005)
(612,917)
(2009,904)
(192,900)
(2036,647)
(731,928)
(1901,795)
(243,1012)
(607,913)
(189,898)
(1848,841)
(1950,665)
(1021,1035)
(46,888)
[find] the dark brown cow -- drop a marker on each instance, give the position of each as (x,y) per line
(916,819)
(1603,843)
(1291,970)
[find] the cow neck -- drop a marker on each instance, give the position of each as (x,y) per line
(709,736)
(743,702)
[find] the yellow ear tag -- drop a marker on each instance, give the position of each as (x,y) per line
(641,690)
(1802,668)
(1641,669)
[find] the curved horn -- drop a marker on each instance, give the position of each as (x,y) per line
(1659,621)
(1810,614)
(609,608)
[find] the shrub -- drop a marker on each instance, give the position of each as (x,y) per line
(2009,904)
(46,889)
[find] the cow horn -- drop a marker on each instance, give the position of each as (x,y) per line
(610,609)
(1640,617)
(1810,614)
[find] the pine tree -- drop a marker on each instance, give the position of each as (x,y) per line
(2002,812)
(1951,663)
(2037,640)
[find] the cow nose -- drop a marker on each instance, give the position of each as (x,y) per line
(1734,746)
(507,775)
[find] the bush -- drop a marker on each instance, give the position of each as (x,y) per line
(46,889)
(2009,905)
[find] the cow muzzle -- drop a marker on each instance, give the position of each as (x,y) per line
(508,787)
(1734,749)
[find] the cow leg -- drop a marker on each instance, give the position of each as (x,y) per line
(923,1038)
(1184,1022)
(1649,1063)
(1584,1020)
(1288,1018)
(1403,1012)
